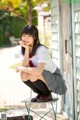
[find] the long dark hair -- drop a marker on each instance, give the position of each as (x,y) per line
(33,31)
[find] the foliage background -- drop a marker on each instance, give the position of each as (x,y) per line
(14,14)
(10,26)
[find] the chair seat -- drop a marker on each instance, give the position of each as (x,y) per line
(29,101)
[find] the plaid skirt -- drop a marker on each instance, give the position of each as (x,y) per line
(55,81)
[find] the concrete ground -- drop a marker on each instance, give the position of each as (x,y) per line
(12,89)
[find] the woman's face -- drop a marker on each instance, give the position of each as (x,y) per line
(28,39)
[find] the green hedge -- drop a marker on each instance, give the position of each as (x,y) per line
(10,25)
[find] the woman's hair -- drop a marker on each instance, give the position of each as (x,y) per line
(33,31)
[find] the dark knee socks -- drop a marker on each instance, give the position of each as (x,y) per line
(32,86)
(38,86)
(42,87)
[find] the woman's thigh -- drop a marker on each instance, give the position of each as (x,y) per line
(31,77)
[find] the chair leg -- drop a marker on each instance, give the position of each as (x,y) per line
(45,115)
(54,113)
(28,111)
(41,117)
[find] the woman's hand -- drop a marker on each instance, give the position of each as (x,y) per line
(26,46)
(23,44)
(19,68)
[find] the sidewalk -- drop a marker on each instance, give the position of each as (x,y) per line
(22,112)
(12,89)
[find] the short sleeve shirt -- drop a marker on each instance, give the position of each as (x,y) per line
(42,55)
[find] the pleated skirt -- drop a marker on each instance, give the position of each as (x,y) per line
(55,81)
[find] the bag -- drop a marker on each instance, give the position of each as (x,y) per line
(26,117)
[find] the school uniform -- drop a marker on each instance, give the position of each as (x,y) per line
(51,72)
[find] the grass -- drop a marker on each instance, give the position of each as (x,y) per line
(15,65)
(4,109)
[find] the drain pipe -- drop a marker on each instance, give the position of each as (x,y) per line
(72,60)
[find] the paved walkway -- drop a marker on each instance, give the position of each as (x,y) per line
(12,89)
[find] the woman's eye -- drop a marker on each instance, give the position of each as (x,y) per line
(24,35)
(29,35)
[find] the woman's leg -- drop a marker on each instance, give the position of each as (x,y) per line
(24,76)
(38,86)
(40,83)
(42,86)
(32,86)
(46,92)
(29,83)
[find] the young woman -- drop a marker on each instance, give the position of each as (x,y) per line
(38,70)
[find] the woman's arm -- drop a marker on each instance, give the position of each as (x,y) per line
(25,61)
(32,70)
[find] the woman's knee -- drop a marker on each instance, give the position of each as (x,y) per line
(23,76)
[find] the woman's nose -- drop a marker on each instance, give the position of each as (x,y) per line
(24,39)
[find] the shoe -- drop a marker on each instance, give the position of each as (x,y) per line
(35,98)
(44,98)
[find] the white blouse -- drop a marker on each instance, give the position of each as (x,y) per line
(42,55)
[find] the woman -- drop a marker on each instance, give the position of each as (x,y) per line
(38,71)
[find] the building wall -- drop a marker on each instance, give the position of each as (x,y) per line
(44,26)
(60,16)
(67,59)
(41,26)
(60,22)
(76,33)
(54,25)
(54,42)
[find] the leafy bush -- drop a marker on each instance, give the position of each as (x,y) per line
(10,25)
